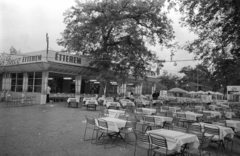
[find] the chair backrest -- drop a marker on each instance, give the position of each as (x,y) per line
(219,123)
(149,119)
(113,107)
(123,116)
(138,116)
(205,141)
(72,100)
(214,130)
(161,114)
(90,120)
(175,120)
(104,113)
(131,124)
(180,129)
(159,141)
(102,123)
(165,107)
(169,114)
(207,114)
(195,127)
(139,110)
(141,137)
(181,115)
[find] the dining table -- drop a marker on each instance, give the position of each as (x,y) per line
(213,107)
(174,109)
(125,102)
(114,124)
(175,140)
(109,103)
(193,116)
(235,124)
(115,113)
(69,100)
(148,111)
(229,115)
(201,108)
(213,113)
(159,120)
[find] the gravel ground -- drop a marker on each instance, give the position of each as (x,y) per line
(56,130)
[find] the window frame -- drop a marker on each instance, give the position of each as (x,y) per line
(33,85)
(15,86)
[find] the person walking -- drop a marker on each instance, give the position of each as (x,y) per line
(209,99)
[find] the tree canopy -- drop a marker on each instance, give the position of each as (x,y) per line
(169,80)
(216,23)
(200,75)
(114,33)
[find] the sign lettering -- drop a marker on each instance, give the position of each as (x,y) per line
(7,60)
(66,58)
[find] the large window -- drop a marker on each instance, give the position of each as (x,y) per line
(17,82)
(35,82)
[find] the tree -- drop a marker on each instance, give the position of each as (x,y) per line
(201,74)
(13,51)
(169,80)
(114,34)
(226,74)
(216,22)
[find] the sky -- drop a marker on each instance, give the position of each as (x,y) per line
(24,24)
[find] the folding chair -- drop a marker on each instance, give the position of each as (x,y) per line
(159,145)
(142,141)
(90,124)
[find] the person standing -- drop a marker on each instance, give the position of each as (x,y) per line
(48,93)
(209,99)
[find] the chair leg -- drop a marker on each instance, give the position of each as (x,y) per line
(85,133)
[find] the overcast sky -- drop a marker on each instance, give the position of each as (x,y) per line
(24,24)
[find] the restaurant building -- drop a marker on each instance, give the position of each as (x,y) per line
(31,73)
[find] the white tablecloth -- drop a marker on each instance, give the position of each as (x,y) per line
(125,101)
(105,100)
(176,139)
(87,102)
(73,99)
(113,103)
(159,120)
(192,116)
(174,109)
(148,111)
(229,115)
(214,113)
(89,98)
(223,130)
(213,107)
(145,102)
(115,113)
(234,123)
(200,107)
(114,123)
